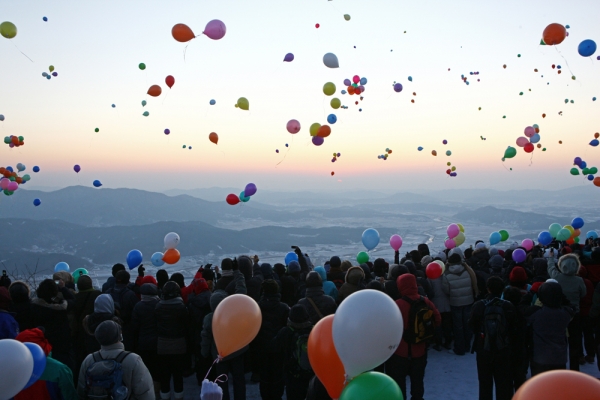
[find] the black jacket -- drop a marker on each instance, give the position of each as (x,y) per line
(477,320)
(289,290)
(54,318)
(274,317)
(125,299)
(198,307)
(143,326)
(324,303)
(172,321)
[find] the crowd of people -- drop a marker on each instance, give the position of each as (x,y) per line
(537,315)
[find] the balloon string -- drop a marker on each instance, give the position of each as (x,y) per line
(22,53)
(219,358)
(566,62)
(222,380)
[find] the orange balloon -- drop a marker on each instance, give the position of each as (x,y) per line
(560,384)
(576,233)
(171,256)
(596,135)
(182,33)
(324,131)
(351,89)
(433,152)
(570,241)
(324,359)
(554,34)
(597,181)
(236,322)
(332,173)
(154,91)
(213,137)
(19,180)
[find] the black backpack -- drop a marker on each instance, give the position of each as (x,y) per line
(494,330)
(104,378)
(421,323)
(299,363)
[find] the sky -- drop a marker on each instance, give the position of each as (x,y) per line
(96,47)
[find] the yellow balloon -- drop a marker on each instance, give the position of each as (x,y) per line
(314,128)
(448,163)
(570,228)
(8,30)
(51,68)
(243,103)
(460,226)
(453,168)
(347,17)
(236,322)
(459,239)
(329,88)
(335,103)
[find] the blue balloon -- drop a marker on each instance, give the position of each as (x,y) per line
(420,148)
(344,92)
(113,106)
(495,238)
(39,362)
(592,235)
(410,78)
(289,257)
(594,143)
(593,99)
(332,119)
(577,223)
(157,259)
(370,238)
(582,165)
(134,259)
(48,76)
(9,168)
(97,183)
(587,48)
(212,102)
(363,81)
(45,19)
(37,202)
(545,238)
(590,177)
(36,169)
(535,138)
(62,266)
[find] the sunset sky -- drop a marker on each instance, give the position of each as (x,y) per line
(96,46)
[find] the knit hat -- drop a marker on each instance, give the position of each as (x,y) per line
(293,267)
(346,265)
(496,262)
(480,245)
(270,287)
(493,251)
(426,260)
(4,299)
(442,256)
(122,277)
(298,315)
(149,279)
(536,287)
(226,264)
(518,276)
(313,279)
(335,262)
(36,336)
(171,290)
(108,332)
(149,289)
(266,270)
(84,283)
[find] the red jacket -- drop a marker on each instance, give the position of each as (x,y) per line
(407,286)
(197,286)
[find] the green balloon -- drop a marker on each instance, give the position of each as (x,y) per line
(563,234)
(585,171)
(328,89)
(6,139)
(243,103)
(142,66)
(347,17)
(184,146)
(96,130)
(21,138)
(574,171)
(372,386)
(503,235)
(8,30)
(26,177)
(554,229)
(593,171)
(11,178)
(146,113)
(144,103)
(78,272)
(243,198)
(510,152)
(576,239)
(362,257)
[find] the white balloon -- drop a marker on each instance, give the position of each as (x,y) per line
(171,240)
(367,329)
(15,369)
(330,60)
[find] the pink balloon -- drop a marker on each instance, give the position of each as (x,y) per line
(215,29)
(4,183)
(293,126)
(450,244)
(452,231)
(522,141)
(12,186)
(396,242)
(356,79)
(527,244)
(529,131)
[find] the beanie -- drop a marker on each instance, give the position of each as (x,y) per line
(122,277)
(294,266)
(298,314)
(149,289)
(496,262)
(149,279)
(335,262)
(518,275)
(36,336)
(270,287)
(171,290)
(107,333)
(313,279)
(226,264)
(425,261)
(84,283)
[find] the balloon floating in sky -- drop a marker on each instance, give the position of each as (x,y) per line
(587,48)
(97,130)
(293,126)
(113,106)
(410,78)
(1,117)
(14,141)
(335,103)
(167,131)
(45,19)
(554,34)
(146,113)
(182,33)
(420,148)
(36,169)
(142,66)
(212,102)
(213,137)
(170,81)
(332,119)
(215,29)
(8,30)
(385,155)
(331,61)
(328,88)
(154,91)
(144,103)
(397,87)
(36,202)
(76,168)
(289,57)
(232,199)
(317,140)
(97,183)
(243,103)
(317,26)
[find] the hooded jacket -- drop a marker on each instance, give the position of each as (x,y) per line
(329,287)
(565,273)
(104,310)
(323,303)
(54,318)
(407,286)
(460,284)
(172,325)
(354,277)
(143,323)
(390,286)
(274,317)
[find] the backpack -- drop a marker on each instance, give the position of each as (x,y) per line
(299,359)
(104,378)
(421,323)
(494,330)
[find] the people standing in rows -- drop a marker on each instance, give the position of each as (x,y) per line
(316,302)
(124,300)
(145,331)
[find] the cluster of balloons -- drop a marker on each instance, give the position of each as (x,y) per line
(588,172)
(170,256)
(452,170)
(464,78)
(24,364)
(52,73)
(335,156)
(11,180)
(14,141)
(532,136)
(456,235)
(356,85)
(186,147)
(244,195)
(243,104)
(567,233)
(319,133)
(385,155)
(214,29)
(499,236)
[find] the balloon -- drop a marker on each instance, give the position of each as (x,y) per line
(293,126)
(317,140)
(243,103)
(78,272)
(45,19)
(213,137)
(215,29)
(398,87)
(142,66)
(144,103)
(586,48)
(332,119)
(362,257)
(146,113)
(4,183)
(347,18)
(250,189)
(236,322)
(554,34)
(448,153)
(504,235)
(495,238)
(289,257)
(171,240)
(232,199)
(335,103)
(37,202)
(529,131)
(563,234)
(314,129)
(156,259)
(433,270)
(154,91)
(450,244)
(329,89)
(459,239)
(574,171)
(171,256)
(16,367)
(433,153)
(510,152)
(554,228)
(243,198)
(596,181)
(570,229)
(39,362)
(331,61)
(62,266)
(535,138)
(1,117)
(545,238)
(324,359)
(452,231)
(170,81)
(12,186)
(9,31)
(370,238)
(371,386)
(591,235)
(522,141)
(594,143)
(519,255)
(460,227)
(182,33)
(134,259)
(97,183)
(289,57)
(324,131)
(359,316)
(528,148)
(559,384)
(527,244)
(396,242)
(420,148)
(577,223)
(212,102)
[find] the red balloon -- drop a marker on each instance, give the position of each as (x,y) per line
(170,81)
(554,34)
(232,199)
(528,148)
(433,270)
(182,33)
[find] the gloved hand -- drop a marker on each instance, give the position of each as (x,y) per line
(141,270)
(297,250)
(211,391)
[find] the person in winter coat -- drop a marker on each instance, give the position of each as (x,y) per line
(335,274)
(422,283)
(291,285)
(587,324)
(328,287)
(518,279)
(460,285)
(496,263)
(274,317)
(443,336)
(178,278)
(124,299)
(317,304)
(493,322)
(84,306)
(390,286)
(145,331)
(104,310)
(110,282)
(9,328)
(198,304)
(345,266)
(226,274)
(574,289)
(253,283)
(298,372)
(519,360)
(549,325)
(540,270)
(354,278)
(480,258)
(136,377)
(197,286)
(410,359)
(380,269)
(21,305)
(162,277)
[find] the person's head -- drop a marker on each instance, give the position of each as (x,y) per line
(108,333)
(149,279)
(270,287)
(298,317)
(266,271)
(245,264)
(4,299)
(208,274)
(335,262)
(496,263)
(37,336)
(380,267)
(149,289)
(178,279)
(294,268)
(518,277)
(468,253)
(122,278)
(313,279)
(170,291)
(550,294)
(116,268)
(162,277)
(19,292)
(47,290)
(375,285)
(346,265)
(226,264)
(423,250)
(279,269)
(508,254)
(569,264)
(455,256)
(397,270)
(513,295)
(495,286)
(84,283)
(104,304)
(415,256)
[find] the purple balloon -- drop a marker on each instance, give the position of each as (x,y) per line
(362,88)
(347,82)
(55,73)
(77,168)
(289,57)
(167,131)
(318,140)
(249,190)
(519,255)
(577,161)
(215,29)
(398,87)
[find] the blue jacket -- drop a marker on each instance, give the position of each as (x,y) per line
(329,287)
(9,328)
